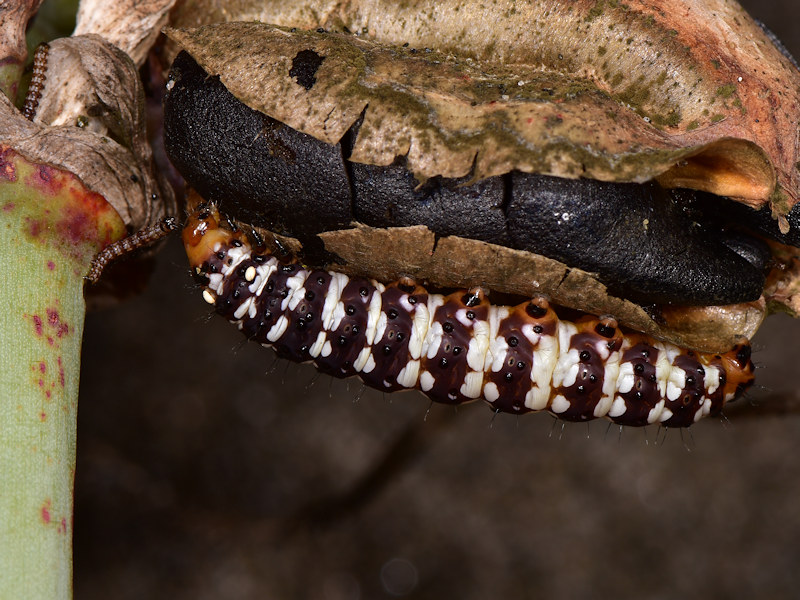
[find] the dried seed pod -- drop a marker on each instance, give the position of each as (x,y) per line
(465,165)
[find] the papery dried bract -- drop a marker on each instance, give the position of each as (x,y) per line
(90,121)
(699,72)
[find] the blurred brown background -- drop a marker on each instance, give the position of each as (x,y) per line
(202,475)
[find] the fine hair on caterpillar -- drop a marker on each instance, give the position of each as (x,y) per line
(458,347)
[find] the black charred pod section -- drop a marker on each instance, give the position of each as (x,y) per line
(642,241)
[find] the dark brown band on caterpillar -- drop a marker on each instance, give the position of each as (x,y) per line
(460,347)
(140,239)
(37,81)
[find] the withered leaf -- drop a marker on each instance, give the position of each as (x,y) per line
(90,122)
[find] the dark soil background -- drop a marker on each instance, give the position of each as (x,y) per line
(206,472)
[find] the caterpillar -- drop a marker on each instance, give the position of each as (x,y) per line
(459,347)
(37,81)
(140,239)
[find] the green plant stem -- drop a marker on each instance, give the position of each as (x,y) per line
(10,76)
(51,228)
(38,401)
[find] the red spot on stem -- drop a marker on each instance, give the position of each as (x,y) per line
(54,320)
(51,265)
(46,179)
(42,367)
(8,171)
(46,512)
(8,206)
(43,416)
(35,226)
(61,372)
(37,325)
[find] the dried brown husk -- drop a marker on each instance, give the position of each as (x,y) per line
(131,25)
(90,121)
(579,92)
(700,71)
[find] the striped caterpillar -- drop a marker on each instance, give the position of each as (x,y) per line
(37,81)
(457,348)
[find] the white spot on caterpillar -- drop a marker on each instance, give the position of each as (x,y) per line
(370,366)
(338,315)
(490,392)
(265,271)
(374,312)
(495,354)
(277,330)
(235,256)
(703,411)
(496,357)
(433,340)
(560,404)
(471,388)
(296,290)
(461,317)
(380,329)
(545,357)
(407,377)
(478,346)
(333,310)
(618,408)
(407,306)
(566,369)
(610,377)
(655,413)
(215,281)
(362,360)
(419,331)
(243,308)
(663,367)
(250,273)
(209,297)
(625,378)
(676,383)
(532,399)
(711,380)
(318,345)
(426,381)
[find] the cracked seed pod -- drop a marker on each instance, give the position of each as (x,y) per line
(403,118)
(610,178)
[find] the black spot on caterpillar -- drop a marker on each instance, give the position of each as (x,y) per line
(141,239)
(457,348)
(37,81)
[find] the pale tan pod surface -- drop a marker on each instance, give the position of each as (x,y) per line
(700,72)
